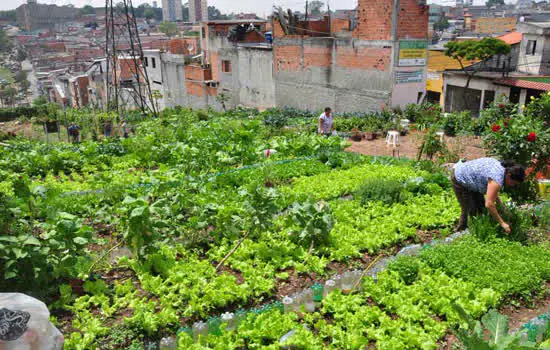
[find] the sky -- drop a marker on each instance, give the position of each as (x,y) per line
(260,7)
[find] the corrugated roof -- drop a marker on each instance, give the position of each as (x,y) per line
(511,38)
(524,84)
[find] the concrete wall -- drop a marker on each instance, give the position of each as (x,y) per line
(539,63)
(477,84)
(255,78)
(173,77)
(347,74)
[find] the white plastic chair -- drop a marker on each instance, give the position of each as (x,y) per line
(441,136)
(392,138)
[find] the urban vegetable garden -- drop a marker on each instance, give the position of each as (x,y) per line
(246,230)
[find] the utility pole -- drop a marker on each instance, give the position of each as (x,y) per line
(306,8)
(329,18)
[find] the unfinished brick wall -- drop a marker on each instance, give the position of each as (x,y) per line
(374,19)
(413,20)
(369,58)
(317,56)
(197,73)
(287,58)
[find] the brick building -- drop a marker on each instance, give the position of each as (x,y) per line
(381,62)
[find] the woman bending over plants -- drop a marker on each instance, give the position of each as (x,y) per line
(485,176)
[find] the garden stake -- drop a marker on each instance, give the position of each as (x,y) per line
(232,251)
(365,272)
(104,255)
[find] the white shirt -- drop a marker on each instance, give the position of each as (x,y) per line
(326,123)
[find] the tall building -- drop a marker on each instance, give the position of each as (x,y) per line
(198,11)
(155,4)
(172,10)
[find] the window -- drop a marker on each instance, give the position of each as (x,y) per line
(226,66)
(146,60)
(531,47)
(153,62)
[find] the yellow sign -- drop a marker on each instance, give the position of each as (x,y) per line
(413,53)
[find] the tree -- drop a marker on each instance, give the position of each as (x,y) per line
(21,55)
(149,14)
(481,51)
(316,7)
(7,96)
(491,3)
(20,76)
(8,15)
(442,24)
(40,101)
(214,13)
(86,10)
(5,43)
(168,28)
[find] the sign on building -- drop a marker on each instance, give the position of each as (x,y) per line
(409,77)
(413,53)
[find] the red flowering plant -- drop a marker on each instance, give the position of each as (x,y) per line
(522,139)
(498,114)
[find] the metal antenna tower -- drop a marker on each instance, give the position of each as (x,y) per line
(127,80)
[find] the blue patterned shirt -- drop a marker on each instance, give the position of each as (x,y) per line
(475,175)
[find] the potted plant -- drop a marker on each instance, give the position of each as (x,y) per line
(356,135)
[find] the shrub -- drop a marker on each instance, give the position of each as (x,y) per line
(456,123)
(522,139)
(431,146)
(387,191)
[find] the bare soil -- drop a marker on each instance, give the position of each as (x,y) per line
(469,147)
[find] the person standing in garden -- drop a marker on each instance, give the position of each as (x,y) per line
(485,176)
(124,128)
(326,123)
(74,131)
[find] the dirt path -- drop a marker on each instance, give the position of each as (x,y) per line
(468,147)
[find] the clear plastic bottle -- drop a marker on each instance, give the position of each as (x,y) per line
(330,286)
(347,282)
(298,301)
(338,281)
(168,343)
(229,319)
(308,300)
(200,329)
(288,304)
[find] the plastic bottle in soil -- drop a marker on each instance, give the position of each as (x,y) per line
(317,290)
(200,329)
(308,301)
(347,282)
(228,319)
(338,281)
(168,343)
(240,316)
(357,276)
(288,304)
(214,326)
(298,301)
(330,286)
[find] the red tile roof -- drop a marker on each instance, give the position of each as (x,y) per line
(524,84)
(511,38)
